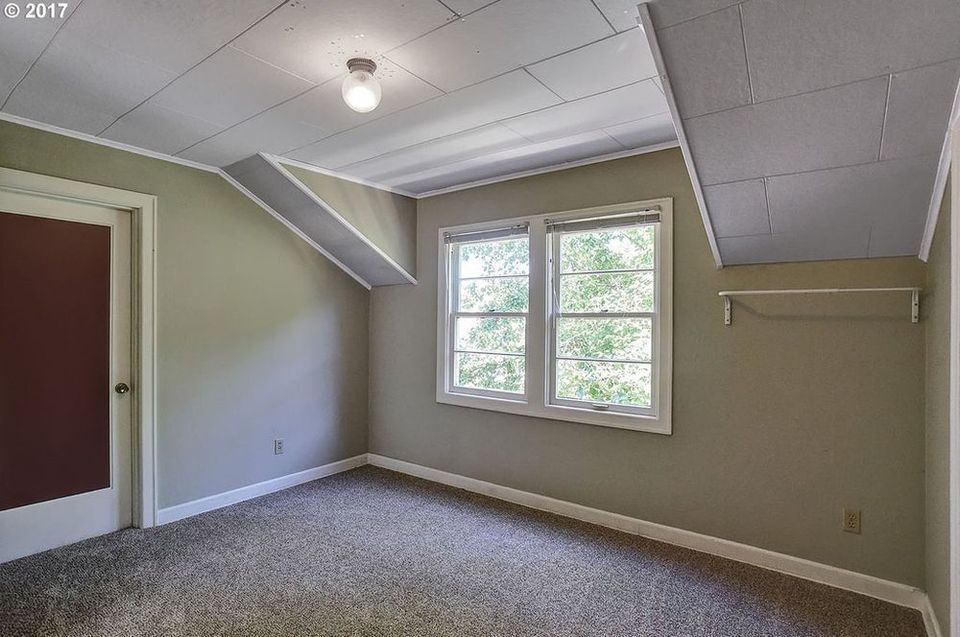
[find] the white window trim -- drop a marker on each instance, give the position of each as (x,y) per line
(536,401)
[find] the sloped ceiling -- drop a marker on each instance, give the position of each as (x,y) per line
(472,89)
(815,126)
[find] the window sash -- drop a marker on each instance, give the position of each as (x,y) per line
(453,243)
(554,234)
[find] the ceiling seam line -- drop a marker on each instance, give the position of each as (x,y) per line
(425,81)
(214,52)
(243,121)
(540,82)
(40,55)
(817,170)
(746,57)
(477,83)
(697,17)
(817,90)
(603,15)
(766,199)
(447,7)
(438,27)
(883,121)
(467,130)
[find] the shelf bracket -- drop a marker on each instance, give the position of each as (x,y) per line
(915,307)
(727,311)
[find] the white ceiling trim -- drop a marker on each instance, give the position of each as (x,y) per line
(647,24)
(940,185)
(66,132)
(549,169)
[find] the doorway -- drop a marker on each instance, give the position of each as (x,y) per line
(76,450)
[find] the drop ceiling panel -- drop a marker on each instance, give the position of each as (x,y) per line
(708,66)
(84,86)
(616,61)
(502,36)
(656,129)
(918,110)
(21,42)
(863,195)
(738,209)
(669,12)
(478,142)
(173,34)
(840,243)
(314,38)
(825,42)
(614,107)
(491,101)
(160,129)
(524,158)
(229,87)
(825,129)
(622,14)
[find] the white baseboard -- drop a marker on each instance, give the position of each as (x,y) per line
(893,592)
(195,507)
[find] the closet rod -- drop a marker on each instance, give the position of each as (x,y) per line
(728,310)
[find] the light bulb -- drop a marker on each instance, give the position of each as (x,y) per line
(361,90)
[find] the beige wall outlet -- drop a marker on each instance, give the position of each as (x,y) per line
(851,520)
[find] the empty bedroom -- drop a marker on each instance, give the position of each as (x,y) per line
(480,318)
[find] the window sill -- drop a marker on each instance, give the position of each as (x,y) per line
(648,424)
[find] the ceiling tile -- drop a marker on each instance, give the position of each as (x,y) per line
(840,243)
(268,132)
(706,64)
(413,159)
(173,34)
(669,12)
(315,38)
(738,209)
(618,60)
(229,87)
(485,103)
(622,14)
(656,129)
(834,127)
(895,236)
(21,42)
(862,195)
(528,157)
(503,36)
(620,105)
(802,46)
(463,7)
(918,110)
(84,86)
(160,129)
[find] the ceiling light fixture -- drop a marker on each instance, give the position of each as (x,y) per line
(361,90)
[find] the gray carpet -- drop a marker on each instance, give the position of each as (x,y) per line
(371,552)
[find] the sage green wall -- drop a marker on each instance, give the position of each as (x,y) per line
(259,336)
(803,406)
(936,317)
(387,219)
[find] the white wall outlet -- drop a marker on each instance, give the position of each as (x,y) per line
(851,520)
(278,446)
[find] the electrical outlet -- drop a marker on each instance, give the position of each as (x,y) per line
(851,520)
(278,446)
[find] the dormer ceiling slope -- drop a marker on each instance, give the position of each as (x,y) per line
(472,89)
(815,127)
